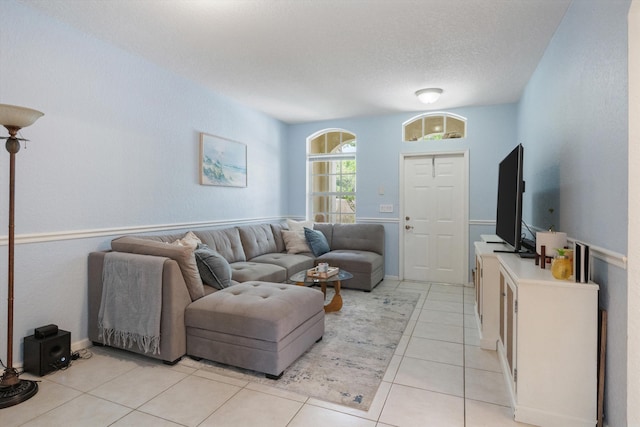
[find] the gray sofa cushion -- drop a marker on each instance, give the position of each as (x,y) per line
(182,255)
(364,237)
(291,262)
(257,240)
(353,261)
(225,241)
(276,229)
(367,267)
(214,269)
(247,271)
(266,311)
(326,229)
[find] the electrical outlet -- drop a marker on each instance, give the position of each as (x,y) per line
(386,208)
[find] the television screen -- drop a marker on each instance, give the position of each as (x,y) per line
(510,189)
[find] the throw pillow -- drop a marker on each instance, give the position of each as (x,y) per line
(317,242)
(182,255)
(189,240)
(299,225)
(214,269)
(295,242)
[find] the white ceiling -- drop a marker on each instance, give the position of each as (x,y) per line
(308,60)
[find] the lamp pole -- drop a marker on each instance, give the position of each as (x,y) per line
(10,377)
(13,390)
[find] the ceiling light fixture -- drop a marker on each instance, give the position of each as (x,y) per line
(430,95)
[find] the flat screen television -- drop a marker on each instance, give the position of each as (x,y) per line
(510,193)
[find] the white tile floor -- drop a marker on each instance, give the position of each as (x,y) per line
(437,377)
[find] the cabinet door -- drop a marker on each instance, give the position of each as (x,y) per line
(510,330)
(503,294)
(508,322)
(478,283)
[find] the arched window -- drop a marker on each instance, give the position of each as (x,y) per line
(433,126)
(331,183)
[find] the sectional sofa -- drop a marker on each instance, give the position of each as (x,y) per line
(255,323)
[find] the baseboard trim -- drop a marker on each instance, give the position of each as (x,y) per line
(75,346)
(81,345)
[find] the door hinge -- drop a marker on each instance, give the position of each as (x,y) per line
(516,306)
(515,375)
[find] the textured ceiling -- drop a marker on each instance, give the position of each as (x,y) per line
(308,60)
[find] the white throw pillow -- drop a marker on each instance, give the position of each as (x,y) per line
(295,242)
(189,240)
(299,225)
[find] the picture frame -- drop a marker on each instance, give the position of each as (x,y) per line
(223,162)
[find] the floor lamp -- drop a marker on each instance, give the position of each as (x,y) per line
(14,390)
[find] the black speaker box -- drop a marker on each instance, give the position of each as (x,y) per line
(44,355)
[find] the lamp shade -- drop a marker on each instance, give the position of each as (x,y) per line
(551,240)
(18,117)
(430,95)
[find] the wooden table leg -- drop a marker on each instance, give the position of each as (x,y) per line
(336,301)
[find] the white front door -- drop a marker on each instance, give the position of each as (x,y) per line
(434,218)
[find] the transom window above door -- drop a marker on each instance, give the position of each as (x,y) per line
(434,126)
(331,181)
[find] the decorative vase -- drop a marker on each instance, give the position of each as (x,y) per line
(561,267)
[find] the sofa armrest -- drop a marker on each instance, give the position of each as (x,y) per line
(175,299)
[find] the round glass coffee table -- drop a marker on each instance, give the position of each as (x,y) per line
(302,279)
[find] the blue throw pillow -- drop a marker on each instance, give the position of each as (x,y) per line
(317,242)
(214,269)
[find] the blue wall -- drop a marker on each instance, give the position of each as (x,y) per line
(491,134)
(117,151)
(119,142)
(573,120)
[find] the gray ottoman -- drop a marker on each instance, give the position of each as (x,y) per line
(255,325)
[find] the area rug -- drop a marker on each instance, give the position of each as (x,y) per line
(348,365)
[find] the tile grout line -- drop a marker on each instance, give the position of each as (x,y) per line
(403,356)
(464,363)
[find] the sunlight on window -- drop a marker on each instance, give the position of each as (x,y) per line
(331,157)
(434,126)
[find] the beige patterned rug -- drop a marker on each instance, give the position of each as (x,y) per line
(348,365)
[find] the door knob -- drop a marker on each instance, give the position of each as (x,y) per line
(408,227)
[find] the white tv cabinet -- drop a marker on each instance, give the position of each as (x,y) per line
(548,341)
(487,283)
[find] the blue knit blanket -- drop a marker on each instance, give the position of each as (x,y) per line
(131,301)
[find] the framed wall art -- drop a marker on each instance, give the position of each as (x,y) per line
(222,161)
